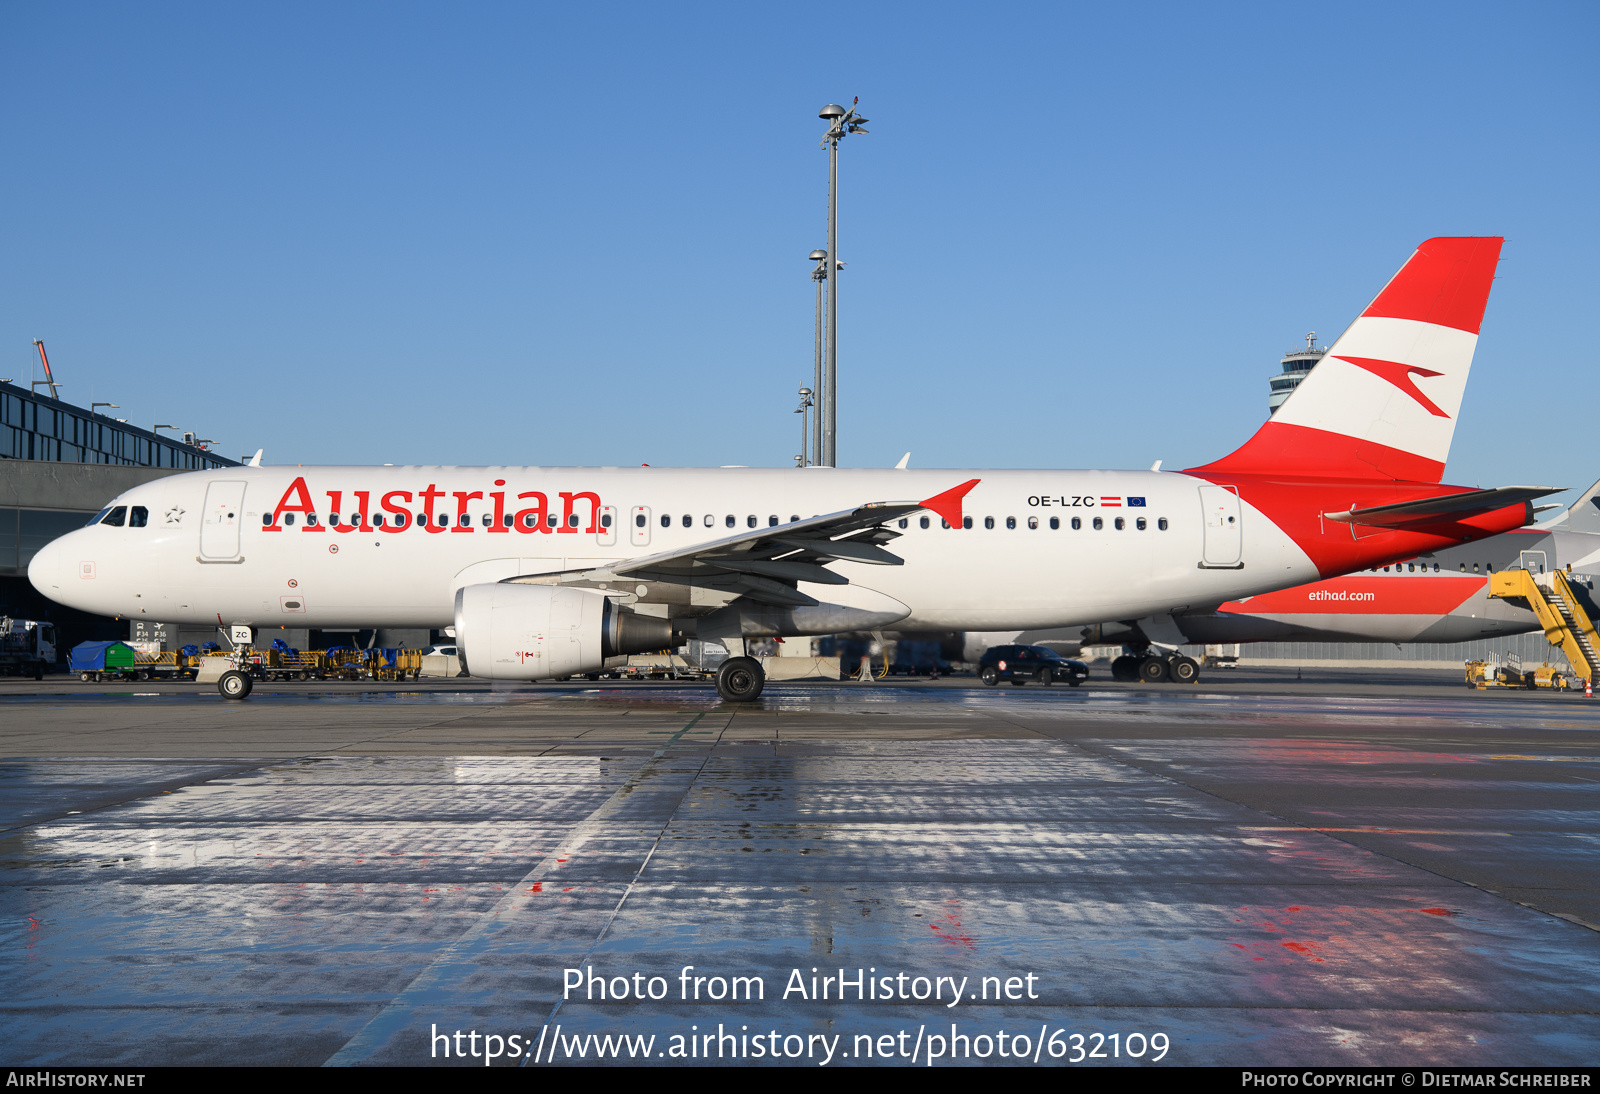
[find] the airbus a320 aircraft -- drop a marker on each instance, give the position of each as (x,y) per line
(547,572)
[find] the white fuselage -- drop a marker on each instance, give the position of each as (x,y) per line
(236,569)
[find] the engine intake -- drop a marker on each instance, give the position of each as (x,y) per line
(538,632)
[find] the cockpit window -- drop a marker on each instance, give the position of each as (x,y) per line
(98,517)
(116,516)
(138,517)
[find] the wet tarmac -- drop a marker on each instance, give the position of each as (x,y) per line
(1254,871)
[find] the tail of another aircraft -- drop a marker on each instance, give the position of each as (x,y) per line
(1382,403)
(1583,515)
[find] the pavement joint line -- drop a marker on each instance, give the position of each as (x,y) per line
(1339,836)
(637,874)
(457,958)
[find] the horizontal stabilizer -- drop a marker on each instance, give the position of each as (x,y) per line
(1449,507)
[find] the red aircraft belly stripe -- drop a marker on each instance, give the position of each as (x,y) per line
(1366,594)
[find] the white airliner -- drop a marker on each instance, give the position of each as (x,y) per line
(547,572)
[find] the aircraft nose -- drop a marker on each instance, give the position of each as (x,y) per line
(44,569)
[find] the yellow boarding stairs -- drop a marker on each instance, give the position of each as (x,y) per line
(1559,612)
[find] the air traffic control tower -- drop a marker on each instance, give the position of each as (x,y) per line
(1297,365)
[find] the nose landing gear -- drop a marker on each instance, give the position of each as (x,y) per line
(234,684)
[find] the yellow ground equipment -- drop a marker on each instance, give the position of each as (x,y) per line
(1559,611)
(1491,674)
(393,664)
(291,664)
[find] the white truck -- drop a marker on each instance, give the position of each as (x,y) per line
(27,647)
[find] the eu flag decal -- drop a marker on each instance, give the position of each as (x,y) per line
(1136,503)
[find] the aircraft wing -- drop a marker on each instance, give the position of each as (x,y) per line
(1447,508)
(767,564)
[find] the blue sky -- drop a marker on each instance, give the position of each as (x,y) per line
(1077,236)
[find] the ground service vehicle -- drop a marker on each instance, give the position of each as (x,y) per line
(548,572)
(27,647)
(1025,664)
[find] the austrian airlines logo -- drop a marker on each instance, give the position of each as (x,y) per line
(1400,376)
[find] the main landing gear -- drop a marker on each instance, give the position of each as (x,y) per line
(1153,668)
(740,679)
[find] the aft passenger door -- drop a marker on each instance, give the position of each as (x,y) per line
(1224,533)
(219,524)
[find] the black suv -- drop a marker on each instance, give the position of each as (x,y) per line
(1019,664)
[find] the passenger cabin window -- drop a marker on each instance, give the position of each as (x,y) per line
(905,522)
(988,522)
(549,520)
(1120,523)
(1141,524)
(666,521)
(750,521)
(1099,524)
(487,519)
(924,522)
(1463,567)
(288,519)
(1077,523)
(966,522)
(1055,524)
(1011,522)
(638,521)
(772,521)
(529,522)
(711,520)
(943,523)
(794,518)
(688,521)
(1162,524)
(311,520)
(139,516)
(378,520)
(1033,523)
(605,520)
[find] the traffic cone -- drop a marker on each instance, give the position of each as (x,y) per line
(1588,688)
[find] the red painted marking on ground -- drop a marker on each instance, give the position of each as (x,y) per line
(1438,911)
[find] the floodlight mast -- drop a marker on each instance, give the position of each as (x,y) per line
(840,123)
(820,275)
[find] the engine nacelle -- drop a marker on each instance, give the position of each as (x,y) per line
(537,632)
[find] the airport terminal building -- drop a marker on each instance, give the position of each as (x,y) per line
(59,465)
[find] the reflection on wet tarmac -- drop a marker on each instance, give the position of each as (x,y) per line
(1265,879)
